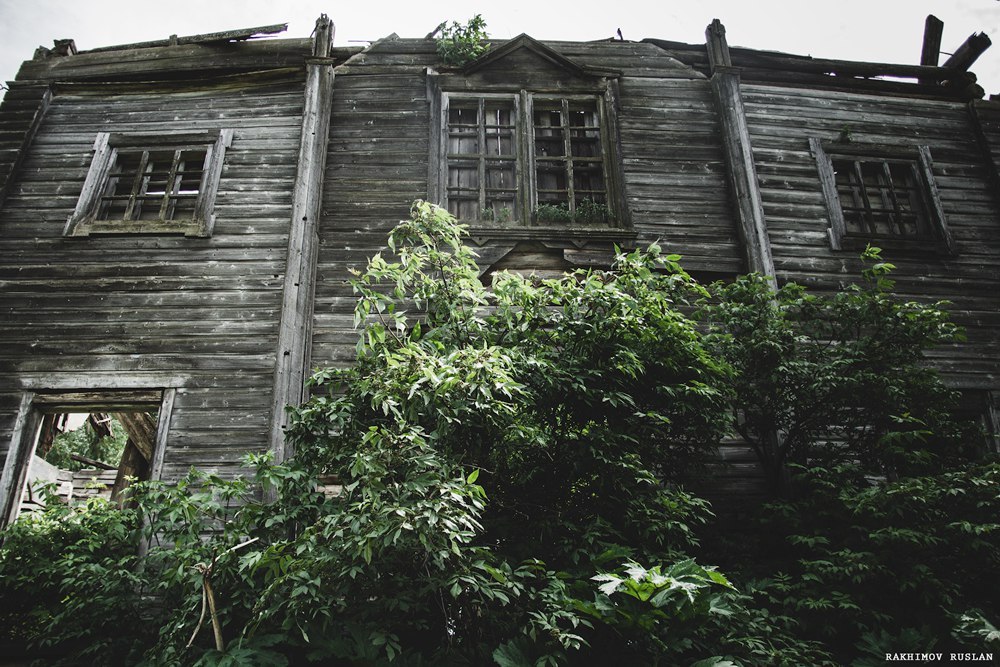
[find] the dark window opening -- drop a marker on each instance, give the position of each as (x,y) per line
(151,184)
(881,198)
(568,160)
(881,194)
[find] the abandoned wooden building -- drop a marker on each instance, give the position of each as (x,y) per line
(178,217)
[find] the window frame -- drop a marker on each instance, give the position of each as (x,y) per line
(84,221)
(526,166)
(937,237)
(36,403)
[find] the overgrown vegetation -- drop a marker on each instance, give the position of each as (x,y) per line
(587,212)
(511,464)
(461,43)
(85,441)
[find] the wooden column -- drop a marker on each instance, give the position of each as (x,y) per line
(295,329)
(986,149)
(930,52)
(741,171)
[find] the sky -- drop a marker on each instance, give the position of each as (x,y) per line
(865,30)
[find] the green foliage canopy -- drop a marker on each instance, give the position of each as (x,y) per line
(509,463)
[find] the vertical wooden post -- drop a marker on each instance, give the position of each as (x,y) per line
(986,149)
(742,174)
(295,328)
(18,460)
(931,49)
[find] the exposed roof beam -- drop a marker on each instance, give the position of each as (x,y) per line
(174,40)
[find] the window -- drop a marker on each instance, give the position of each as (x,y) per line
(880,194)
(482,159)
(523,159)
(151,184)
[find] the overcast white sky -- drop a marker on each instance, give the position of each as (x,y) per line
(868,30)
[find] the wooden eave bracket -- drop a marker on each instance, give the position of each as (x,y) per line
(524,41)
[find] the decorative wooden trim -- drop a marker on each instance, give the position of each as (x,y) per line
(528,43)
(295,327)
(163,417)
(29,137)
(614,168)
(439,118)
(718,48)
(204,211)
(934,200)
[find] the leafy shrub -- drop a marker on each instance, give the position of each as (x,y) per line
(861,563)
(460,44)
(836,377)
(68,583)
(586,212)
(510,465)
(85,442)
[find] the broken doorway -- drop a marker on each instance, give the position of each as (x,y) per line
(83,444)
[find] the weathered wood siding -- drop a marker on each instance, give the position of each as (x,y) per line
(671,150)
(376,166)
(197,314)
(781,121)
(674,171)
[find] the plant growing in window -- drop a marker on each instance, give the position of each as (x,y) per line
(553,213)
(500,214)
(587,211)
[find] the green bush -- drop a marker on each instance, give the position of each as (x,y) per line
(460,43)
(511,466)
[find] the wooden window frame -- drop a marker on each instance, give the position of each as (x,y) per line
(934,235)
(34,404)
(525,160)
(86,219)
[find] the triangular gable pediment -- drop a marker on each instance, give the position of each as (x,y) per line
(526,54)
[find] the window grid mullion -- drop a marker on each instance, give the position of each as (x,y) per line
(568,152)
(896,219)
(171,185)
(138,188)
(481,132)
(866,213)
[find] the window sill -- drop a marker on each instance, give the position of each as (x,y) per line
(574,234)
(914,247)
(190,228)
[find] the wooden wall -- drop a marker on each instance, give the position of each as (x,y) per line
(197,314)
(673,165)
(671,150)
(202,314)
(781,121)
